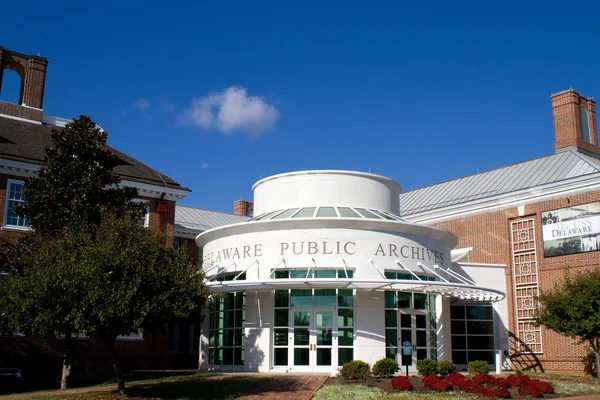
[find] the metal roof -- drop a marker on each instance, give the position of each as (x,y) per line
(561,166)
(199,220)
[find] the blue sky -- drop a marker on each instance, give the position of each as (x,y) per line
(219,94)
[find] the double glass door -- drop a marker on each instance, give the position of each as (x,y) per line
(412,327)
(313,338)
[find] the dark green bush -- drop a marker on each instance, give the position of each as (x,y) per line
(385,368)
(445,368)
(426,367)
(478,367)
(355,370)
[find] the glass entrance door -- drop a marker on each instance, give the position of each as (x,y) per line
(414,327)
(313,339)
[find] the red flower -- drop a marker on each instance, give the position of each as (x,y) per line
(544,387)
(517,380)
(401,383)
(496,391)
(502,382)
(531,389)
(484,378)
(471,387)
(455,378)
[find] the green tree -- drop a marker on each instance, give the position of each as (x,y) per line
(49,289)
(45,292)
(572,308)
(78,183)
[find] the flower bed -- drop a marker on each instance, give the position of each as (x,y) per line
(402,383)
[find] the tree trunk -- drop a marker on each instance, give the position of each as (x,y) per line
(597,363)
(67,361)
(118,370)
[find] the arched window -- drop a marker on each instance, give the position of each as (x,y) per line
(11,87)
(585,125)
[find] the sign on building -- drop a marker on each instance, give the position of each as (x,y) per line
(571,230)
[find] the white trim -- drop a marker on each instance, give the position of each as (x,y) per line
(56,121)
(5,225)
(20,118)
(156,191)
(454,289)
(18,168)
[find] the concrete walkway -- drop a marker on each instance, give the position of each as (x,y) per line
(287,387)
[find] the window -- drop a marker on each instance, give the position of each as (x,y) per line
(585,124)
(407,276)
(176,242)
(145,219)
(314,273)
(14,196)
(132,336)
(472,328)
(226,338)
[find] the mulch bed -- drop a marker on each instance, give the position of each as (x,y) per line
(419,387)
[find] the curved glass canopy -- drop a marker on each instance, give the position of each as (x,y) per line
(327,212)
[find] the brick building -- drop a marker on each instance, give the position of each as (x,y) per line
(24,134)
(518,229)
(508,215)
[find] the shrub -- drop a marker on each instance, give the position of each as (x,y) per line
(478,367)
(471,387)
(431,379)
(455,378)
(401,383)
(496,391)
(385,368)
(502,382)
(531,389)
(434,382)
(544,387)
(517,380)
(445,367)
(426,367)
(484,378)
(355,370)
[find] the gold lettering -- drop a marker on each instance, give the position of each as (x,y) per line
(312,248)
(246,251)
(402,251)
(325,249)
(380,249)
(284,247)
(346,248)
(393,250)
(258,250)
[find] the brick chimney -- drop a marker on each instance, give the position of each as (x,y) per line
(32,70)
(574,121)
(243,207)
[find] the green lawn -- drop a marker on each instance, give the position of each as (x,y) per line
(182,387)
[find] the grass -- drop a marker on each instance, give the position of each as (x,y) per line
(180,387)
(575,388)
(357,392)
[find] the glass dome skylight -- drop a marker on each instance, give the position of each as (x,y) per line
(327,212)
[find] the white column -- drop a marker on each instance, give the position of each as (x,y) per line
(442,311)
(258,330)
(369,325)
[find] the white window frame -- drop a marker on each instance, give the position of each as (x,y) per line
(5,224)
(147,215)
(134,336)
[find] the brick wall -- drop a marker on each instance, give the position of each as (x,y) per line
(489,235)
(567,123)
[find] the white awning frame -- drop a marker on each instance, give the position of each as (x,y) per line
(449,289)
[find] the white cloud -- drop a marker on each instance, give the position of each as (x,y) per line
(141,104)
(204,166)
(231,110)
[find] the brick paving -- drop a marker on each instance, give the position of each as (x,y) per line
(287,387)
